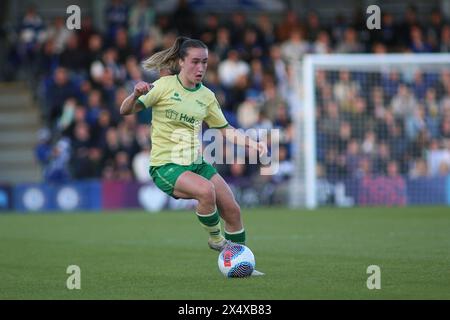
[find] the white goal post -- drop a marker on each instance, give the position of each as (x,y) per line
(304,191)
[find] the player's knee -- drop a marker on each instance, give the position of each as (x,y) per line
(206,193)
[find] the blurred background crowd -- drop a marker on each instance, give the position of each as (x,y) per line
(81,77)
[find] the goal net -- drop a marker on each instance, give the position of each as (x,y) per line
(372,130)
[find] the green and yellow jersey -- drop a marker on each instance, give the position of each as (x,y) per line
(177,116)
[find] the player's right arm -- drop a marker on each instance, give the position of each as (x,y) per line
(131,104)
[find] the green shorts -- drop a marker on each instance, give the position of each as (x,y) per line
(166,176)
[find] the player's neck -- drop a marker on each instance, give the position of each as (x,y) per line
(185,82)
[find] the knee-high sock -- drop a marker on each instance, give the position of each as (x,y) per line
(211,223)
(236,236)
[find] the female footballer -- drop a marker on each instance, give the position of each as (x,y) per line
(180,103)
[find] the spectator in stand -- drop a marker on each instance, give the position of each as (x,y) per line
(445,128)
(80,151)
(415,123)
(409,21)
(418,44)
(445,39)
(124,49)
(112,146)
(387,34)
(94,52)
(444,169)
(43,148)
(359,119)
(141,20)
(266,31)
(232,68)
(404,103)
(286,166)
(237,25)
(122,166)
(100,129)
(322,43)
(277,67)
(295,47)
(390,83)
(345,90)
(59,89)
(331,122)
(437,155)
(290,22)
(382,158)
(434,29)
(392,169)
(350,43)
(345,134)
(431,106)
(419,169)
(94,107)
(47,59)
(313,27)
(31,30)
(140,164)
(250,49)
(208,33)
(257,74)
(272,99)
(116,15)
(67,115)
(223,43)
(57,171)
(110,61)
(87,30)
(352,157)
(364,168)
(73,57)
(369,144)
(59,33)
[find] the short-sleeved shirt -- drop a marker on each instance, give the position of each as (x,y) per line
(177,116)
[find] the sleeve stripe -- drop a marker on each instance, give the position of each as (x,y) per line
(142,103)
(224,126)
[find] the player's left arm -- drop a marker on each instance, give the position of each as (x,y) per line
(215,119)
(239,138)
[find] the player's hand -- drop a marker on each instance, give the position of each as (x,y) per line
(142,88)
(262,148)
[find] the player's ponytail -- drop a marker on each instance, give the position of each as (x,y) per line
(168,58)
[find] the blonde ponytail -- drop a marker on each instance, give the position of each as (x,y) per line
(166,59)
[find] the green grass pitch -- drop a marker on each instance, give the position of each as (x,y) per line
(322,254)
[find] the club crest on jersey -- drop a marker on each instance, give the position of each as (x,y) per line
(176,96)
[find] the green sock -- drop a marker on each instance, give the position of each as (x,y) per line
(236,236)
(211,223)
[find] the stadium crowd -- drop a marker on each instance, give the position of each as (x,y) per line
(82,77)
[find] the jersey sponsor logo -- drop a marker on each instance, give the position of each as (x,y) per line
(201,104)
(188,119)
(171,114)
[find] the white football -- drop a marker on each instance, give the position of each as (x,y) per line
(236,261)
